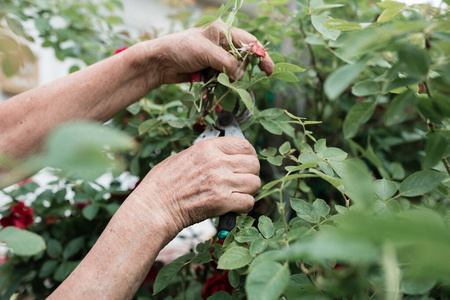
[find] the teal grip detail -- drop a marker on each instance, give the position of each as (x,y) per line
(223,234)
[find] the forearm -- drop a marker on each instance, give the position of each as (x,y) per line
(97,92)
(117,264)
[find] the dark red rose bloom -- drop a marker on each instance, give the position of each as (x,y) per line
(20,217)
(120,50)
(217,283)
(195,77)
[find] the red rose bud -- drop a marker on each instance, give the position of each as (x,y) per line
(195,77)
(199,127)
(256,48)
(218,109)
(421,87)
(20,217)
(120,50)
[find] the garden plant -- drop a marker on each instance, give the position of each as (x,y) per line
(352,130)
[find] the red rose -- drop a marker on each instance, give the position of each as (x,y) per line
(217,283)
(120,50)
(256,48)
(195,77)
(20,217)
(24,181)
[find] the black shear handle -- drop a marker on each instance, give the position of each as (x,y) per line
(226,223)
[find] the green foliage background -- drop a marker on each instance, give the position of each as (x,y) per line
(355,200)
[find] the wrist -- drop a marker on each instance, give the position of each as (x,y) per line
(156,217)
(147,58)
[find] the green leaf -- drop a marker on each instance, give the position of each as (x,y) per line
(365,88)
(247,235)
(168,272)
(22,242)
(305,210)
(334,154)
(416,287)
(81,149)
(271,126)
(223,79)
(258,246)
(341,25)
(187,99)
(15,26)
(73,247)
(421,182)
(205,20)
(321,207)
(220,295)
(265,226)
(90,211)
(64,270)
(285,148)
(385,189)
(233,278)
(148,124)
(358,115)
(234,258)
(390,4)
(246,98)
(11,64)
(341,78)
(285,76)
(436,147)
(318,23)
(286,67)
(267,281)
(388,14)
(276,160)
(54,248)
(413,61)
(397,111)
(47,268)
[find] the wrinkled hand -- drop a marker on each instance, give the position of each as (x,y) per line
(211,178)
(198,48)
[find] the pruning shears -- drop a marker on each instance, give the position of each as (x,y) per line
(227,124)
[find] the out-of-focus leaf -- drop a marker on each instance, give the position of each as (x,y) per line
(388,14)
(341,25)
(318,23)
(400,108)
(365,88)
(267,281)
(341,78)
(437,145)
(22,242)
(358,115)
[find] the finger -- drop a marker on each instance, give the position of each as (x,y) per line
(246,183)
(243,164)
(233,145)
(266,65)
(241,203)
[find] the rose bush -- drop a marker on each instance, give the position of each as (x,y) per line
(355,195)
